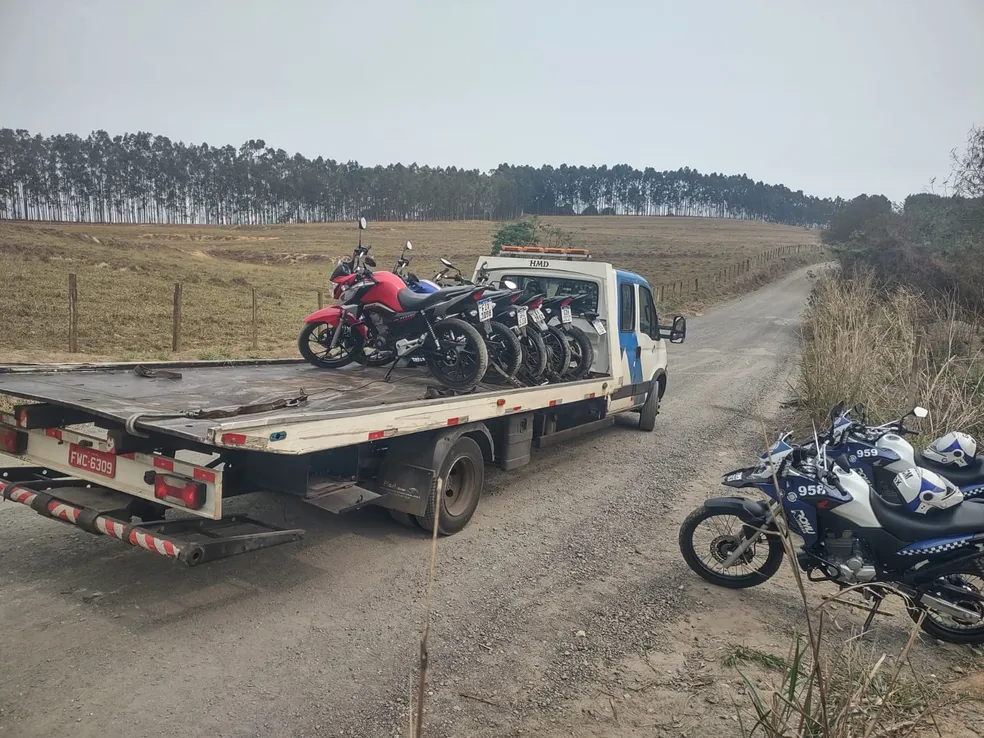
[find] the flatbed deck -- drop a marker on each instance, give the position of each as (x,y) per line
(208,398)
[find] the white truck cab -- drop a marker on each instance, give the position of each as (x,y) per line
(632,349)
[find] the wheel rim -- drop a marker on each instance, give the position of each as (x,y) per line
(319,343)
(460,486)
(456,360)
(531,356)
(575,355)
(974,587)
(555,352)
(498,351)
(713,540)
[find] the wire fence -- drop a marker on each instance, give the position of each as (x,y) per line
(261,313)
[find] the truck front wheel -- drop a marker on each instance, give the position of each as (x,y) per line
(647,416)
(458,489)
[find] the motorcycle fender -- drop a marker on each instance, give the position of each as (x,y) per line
(331,316)
(749,511)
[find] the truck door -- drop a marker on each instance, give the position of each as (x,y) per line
(652,349)
(628,345)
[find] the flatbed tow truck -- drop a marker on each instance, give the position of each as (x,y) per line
(112,448)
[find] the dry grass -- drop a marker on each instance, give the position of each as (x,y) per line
(126,274)
(862,347)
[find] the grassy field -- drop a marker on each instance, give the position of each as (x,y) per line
(126,275)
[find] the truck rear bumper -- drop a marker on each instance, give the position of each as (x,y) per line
(191,541)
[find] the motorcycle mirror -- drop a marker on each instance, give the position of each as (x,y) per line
(370,261)
(362,224)
(447,263)
(409,246)
(920,412)
(510,285)
(837,411)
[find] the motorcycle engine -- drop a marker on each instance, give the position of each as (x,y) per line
(850,557)
(382,332)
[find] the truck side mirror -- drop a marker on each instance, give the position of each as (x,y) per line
(679,330)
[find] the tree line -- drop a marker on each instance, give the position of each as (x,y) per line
(143,178)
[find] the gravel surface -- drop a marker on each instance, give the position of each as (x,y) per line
(569,564)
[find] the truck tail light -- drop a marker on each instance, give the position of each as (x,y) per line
(179,491)
(12,441)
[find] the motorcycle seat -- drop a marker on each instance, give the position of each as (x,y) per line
(412,301)
(960,476)
(901,522)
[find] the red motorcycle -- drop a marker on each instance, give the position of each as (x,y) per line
(378,318)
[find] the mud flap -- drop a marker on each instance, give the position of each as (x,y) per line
(409,472)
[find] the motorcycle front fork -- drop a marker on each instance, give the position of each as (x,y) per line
(741,548)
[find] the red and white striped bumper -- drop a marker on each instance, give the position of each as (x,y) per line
(100,524)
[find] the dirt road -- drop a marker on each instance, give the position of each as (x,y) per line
(569,564)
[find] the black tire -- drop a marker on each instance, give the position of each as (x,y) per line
(457,490)
(404,519)
(461,367)
(647,416)
(582,353)
(534,356)
(770,566)
(319,335)
(558,353)
(505,352)
(970,635)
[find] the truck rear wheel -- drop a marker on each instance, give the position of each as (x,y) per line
(458,489)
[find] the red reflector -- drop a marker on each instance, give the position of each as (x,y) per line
(179,491)
(453,421)
(376,435)
(500,402)
(53,433)
(233,439)
(205,475)
(13,442)
(162,463)
(553,402)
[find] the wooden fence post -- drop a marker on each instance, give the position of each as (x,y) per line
(254,318)
(176,319)
(696,285)
(321,299)
(73,315)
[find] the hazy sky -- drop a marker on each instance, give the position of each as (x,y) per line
(829,96)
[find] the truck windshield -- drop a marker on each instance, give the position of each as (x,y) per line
(553,286)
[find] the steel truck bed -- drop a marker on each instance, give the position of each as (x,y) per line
(286,407)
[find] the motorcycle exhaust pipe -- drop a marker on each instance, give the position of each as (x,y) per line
(961,614)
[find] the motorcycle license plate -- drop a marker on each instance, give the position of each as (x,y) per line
(537,317)
(599,327)
(97,462)
(565,314)
(485,310)
(521,317)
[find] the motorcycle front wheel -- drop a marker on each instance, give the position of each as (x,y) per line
(314,342)
(707,538)
(460,360)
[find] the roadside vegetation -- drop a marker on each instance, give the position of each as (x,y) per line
(900,321)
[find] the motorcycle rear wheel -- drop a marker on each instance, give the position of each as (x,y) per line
(558,353)
(948,628)
(314,341)
(534,357)
(505,352)
(582,353)
(462,365)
